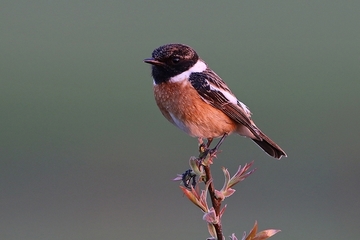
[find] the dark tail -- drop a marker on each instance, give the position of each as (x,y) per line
(269,146)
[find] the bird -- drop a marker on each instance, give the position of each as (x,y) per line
(195,99)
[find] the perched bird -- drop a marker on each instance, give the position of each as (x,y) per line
(195,99)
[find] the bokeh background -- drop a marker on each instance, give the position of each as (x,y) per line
(86,154)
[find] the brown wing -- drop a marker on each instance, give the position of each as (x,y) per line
(214,91)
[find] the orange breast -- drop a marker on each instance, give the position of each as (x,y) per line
(181,104)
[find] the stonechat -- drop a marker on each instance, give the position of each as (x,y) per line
(195,99)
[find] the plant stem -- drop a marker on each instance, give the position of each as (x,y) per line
(216,203)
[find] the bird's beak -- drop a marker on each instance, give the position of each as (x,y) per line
(153,61)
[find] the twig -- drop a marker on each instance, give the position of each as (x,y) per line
(216,203)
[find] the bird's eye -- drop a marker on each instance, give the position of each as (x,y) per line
(175,60)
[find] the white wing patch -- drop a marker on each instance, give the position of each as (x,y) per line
(199,66)
(228,95)
(231,98)
(246,109)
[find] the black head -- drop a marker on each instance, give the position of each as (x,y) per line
(170,60)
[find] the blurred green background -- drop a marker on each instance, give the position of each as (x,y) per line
(86,154)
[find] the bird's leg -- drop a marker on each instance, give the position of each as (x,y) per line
(209,140)
(219,143)
(204,148)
